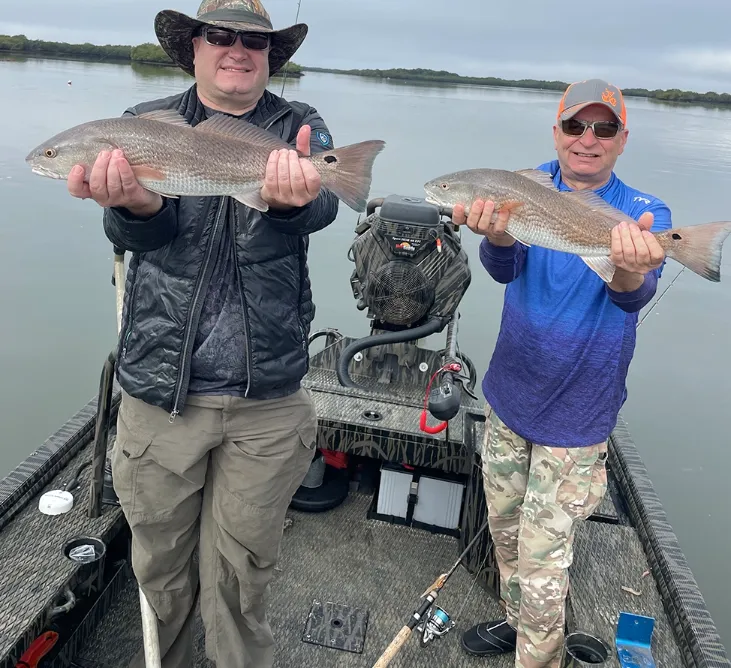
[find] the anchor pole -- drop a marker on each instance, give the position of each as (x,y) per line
(150,638)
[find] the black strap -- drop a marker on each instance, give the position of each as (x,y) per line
(413,497)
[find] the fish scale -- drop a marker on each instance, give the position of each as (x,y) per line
(577,222)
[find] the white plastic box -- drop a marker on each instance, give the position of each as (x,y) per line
(436,502)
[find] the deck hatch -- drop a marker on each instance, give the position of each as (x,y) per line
(336,625)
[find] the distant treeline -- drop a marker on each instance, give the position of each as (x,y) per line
(419,74)
(142,53)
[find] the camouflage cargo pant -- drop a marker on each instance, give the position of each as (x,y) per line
(535,495)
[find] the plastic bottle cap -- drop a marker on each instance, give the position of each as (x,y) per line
(55,502)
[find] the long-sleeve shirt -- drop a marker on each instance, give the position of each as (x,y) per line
(558,371)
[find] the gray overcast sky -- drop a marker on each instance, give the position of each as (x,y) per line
(642,43)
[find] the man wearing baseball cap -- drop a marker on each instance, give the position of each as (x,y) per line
(556,380)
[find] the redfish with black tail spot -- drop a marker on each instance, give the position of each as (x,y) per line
(578,222)
(220,156)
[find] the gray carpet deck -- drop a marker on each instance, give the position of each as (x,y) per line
(607,558)
(34,568)
(340,557)
(344,558)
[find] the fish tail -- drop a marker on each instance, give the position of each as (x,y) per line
(347,171)
(697,247)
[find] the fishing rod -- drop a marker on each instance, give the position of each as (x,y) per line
(296,18)
(657,301)
(430,623)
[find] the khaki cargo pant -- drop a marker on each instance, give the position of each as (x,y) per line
(220,477)
(535,495)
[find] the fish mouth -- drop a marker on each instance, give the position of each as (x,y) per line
(42,171)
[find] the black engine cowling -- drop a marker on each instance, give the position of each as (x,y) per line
(410,266)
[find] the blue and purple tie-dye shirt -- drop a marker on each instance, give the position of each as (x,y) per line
(557,374)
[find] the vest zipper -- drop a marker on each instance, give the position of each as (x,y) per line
(244,306)
(194,313)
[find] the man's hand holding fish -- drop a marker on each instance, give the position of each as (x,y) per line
(482,220)
(113,183)
(291,181)
(635,252)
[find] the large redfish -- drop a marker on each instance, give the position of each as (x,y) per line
(219,156)
(578,222)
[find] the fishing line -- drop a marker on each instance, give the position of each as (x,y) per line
(657,301)
(296,18)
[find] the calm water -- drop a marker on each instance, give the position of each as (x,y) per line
(57,302)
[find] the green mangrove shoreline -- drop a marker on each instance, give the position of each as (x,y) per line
(147,54)
(442,76)
(152,54)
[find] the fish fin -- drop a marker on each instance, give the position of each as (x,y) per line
(595,203)
(228,126)
(510,204)
(539,176)
(602,267)
(165,116)
(347,171)
(149,173)
(520,241)
(252,199)
(697,247)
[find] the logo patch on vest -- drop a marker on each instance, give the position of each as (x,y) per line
(324,138)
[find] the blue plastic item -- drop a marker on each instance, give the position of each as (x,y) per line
(634,640)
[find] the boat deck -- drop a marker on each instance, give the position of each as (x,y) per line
(380,569)
(374,567)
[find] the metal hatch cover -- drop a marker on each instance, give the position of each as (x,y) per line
(337,626)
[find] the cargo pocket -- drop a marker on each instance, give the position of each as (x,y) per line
(574,493)
(307,428)
(307,432)
(130,445)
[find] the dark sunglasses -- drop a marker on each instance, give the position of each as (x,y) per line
(601,129)
(225,37)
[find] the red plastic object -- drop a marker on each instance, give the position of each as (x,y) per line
(430,430)
(37,650)
(338,460)
(424,414)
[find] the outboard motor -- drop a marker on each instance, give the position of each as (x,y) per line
(410,268)
(410,273)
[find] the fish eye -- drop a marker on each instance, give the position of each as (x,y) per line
(50,152)
(444,186)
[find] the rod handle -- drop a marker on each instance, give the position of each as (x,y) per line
(393,649)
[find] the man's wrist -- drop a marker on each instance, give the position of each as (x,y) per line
(147,211)
(626,281)
(504,241)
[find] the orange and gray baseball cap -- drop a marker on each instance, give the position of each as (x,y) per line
(592,91)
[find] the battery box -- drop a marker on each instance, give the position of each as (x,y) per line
(419,497)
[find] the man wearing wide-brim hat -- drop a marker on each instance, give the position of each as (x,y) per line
(215,433)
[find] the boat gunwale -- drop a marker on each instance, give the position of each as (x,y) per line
(694,629)
(21,485)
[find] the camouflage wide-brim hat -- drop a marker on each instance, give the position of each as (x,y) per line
(175,30)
